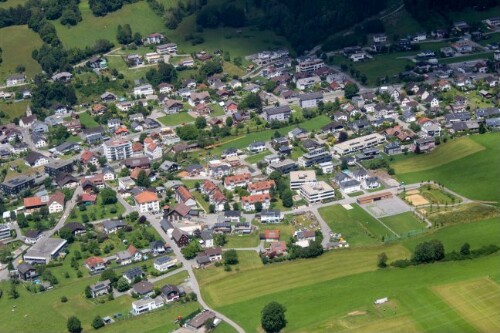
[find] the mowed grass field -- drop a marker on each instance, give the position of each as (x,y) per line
(140,17)
(13,110)
(357,227)
(468,166)
(403,223)
(322,301)
(176,119)
(478,301)
(87,120)
(17,43)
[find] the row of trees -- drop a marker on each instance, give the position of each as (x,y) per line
(103,7)
(227,14)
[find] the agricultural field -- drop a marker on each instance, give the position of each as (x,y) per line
(415,309)
(467,166)
(357,227)
(176,119)
(403,223)
(460,214)
(477,234)
(17,43)
(140,17)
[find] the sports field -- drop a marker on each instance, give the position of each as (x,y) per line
(17,43)
(478,301)
(403,223)
(467,166)
(356,226)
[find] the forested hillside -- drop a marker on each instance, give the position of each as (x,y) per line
(421,9)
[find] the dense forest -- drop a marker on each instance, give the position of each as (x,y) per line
(308,23)
(421,9)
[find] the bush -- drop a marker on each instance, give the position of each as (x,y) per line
(64,299)
(401,263)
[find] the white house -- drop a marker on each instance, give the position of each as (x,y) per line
(147,202)
(146,305)
(271,216)
(153,151)
(162,264)
(145,90)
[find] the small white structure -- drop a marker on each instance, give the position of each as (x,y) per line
(381,301)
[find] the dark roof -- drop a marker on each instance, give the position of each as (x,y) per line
(112,224)
(74,226)
(134,273)
(32,233)
(25,268)
(278,110)
(177,234)
(232,213)
(168,288)
(143,287)
(310,96)
(33,156)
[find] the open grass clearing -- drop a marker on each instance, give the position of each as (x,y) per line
(403,223)
(140,17)
(472,175)
(97,212)
(477,56)
(201,201)
(176,119)
(175,279)
(356,225)
(315,307)
(17,43)
(12,3)
(87,120)
(255,158)
(13,110)
(477,301)
(443,154)
(246,285)
(129,73)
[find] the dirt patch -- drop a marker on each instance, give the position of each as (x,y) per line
(411,192)
(357,313)
(417,200)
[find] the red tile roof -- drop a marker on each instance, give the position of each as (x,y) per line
(94,261)
(33,202)
(238,179)
(184,193)
(146,196)
(261,186)
(256,198)
(272,234)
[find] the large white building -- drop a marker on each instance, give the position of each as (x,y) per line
(308,64)
(117,150)
(299,178)
(354,145)
(146,304)
(147,202)
(145,90)
(317,192)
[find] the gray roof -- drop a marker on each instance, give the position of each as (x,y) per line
(33,156)
(311,96)
(278,110)
(112,224)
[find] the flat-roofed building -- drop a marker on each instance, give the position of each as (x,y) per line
(298,178)
(317,192)
(357,144)
(44,251)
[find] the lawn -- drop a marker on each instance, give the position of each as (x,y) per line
(199,199)
(257,157)
(175,279)
(13,110)
(176,119)
(87,120)
(97,212)
(315,306)
(356,226)
(479,56)
(242,241)
(224,328)
(471,174)
(403,223)
(128,73)
(12,3)
(17,43)
(140,17)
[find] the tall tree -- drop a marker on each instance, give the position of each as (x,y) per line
(273,317)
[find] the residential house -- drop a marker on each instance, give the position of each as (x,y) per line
(170,293)
(130,255)
(143,288)
(146,304)
(35,159)
(112,226)
(100,288)
(184,196)
(249,202)
(280,113)
(95,264)
(271,216)
(241,180)
(147,201)
(133,274)
(180,237)
(27,272)
(163,264)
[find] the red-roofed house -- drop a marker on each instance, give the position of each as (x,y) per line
(89,199)
(88,157)
(182,195)
(248,202)
(32,204)
(95,264)
(147,202)
(153,151)
(231,182)
(261,187)
(137,149)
